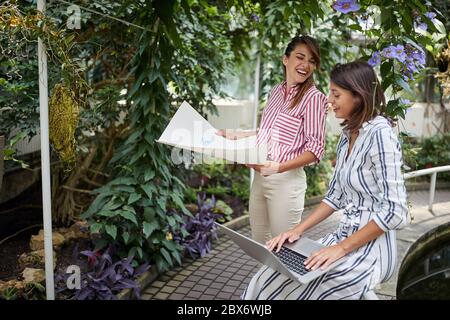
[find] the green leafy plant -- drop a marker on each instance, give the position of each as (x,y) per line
(31,291)
(34,291)
(219,179)
(319,175)
(134,208)
(434,152)
(124,213)
(242,189)
(190,195)
(9,294)
(410,151)
(217,191)
(223,211)
(10,151)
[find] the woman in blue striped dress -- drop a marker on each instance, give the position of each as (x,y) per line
(367,185)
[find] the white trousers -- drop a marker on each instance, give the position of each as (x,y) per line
(276,203)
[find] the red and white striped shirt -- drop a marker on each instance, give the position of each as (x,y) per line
(290,132)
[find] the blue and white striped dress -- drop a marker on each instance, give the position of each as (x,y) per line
(367,186)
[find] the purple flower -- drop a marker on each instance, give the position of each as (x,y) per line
(430,15)
(395,52)
(375,59)
(388,52)
(419,57)
(255,17)
(346,6)
(422,26)
(400,53)
(411,66)
(405,101)
(407,76)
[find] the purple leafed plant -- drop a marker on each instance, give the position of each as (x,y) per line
(106,278)
(200,228)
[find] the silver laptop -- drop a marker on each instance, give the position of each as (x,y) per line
(289,261)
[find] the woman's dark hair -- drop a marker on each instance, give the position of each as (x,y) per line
(314,48)
(360,79)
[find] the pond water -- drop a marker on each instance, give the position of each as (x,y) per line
(428,273)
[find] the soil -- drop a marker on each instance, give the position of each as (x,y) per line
(15,215)
(22,212)
(9,253)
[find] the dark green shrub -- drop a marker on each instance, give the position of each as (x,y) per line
(319,175)
(426,153)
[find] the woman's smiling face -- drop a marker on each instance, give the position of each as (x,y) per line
(300,65)
(342,101)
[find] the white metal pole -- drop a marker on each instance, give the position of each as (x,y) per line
(45,164)
(256,104)
(432,190)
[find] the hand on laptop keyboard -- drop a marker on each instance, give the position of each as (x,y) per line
(324,257)
(290,236)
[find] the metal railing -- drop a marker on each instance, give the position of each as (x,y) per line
(424,172)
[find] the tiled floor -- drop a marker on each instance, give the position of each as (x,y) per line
(222,274)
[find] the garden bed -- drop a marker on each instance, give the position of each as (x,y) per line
(20,220)
(14,217)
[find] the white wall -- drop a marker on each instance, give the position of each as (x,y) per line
(423,119)
(233,114)
(25,146)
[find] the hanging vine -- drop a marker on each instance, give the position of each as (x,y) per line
(70,93)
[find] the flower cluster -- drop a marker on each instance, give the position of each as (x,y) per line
(418,24)
(346,6)
(410,58)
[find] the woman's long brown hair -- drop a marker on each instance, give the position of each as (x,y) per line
(360,79)
(314,48)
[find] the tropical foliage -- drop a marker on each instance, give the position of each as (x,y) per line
(103,279)
(199,231)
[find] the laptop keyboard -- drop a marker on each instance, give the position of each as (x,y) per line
(294,261)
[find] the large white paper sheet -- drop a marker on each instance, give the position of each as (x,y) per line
(189,130)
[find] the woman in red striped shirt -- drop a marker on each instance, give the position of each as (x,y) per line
(293,127)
